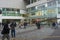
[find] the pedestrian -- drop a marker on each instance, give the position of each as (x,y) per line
(56,25)
(25,24)
(38,25)
(5,32)
(12,26)
(19,25)
(53,24)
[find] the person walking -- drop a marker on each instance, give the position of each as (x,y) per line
(53,25)
(13,25)
(19,25)
(25,24)
(5,32)
(38,25)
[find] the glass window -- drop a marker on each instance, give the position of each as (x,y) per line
(38,0)
(41,7)
(10,12)
(49,3)
(49,0)
(32,8)
(58,10)
(58,1)
(3,9)
(28,9)
(52,3)
(18,10)
(12,9)
(7,9)
(33,13)
(27,2)
(0,11)
(32,1)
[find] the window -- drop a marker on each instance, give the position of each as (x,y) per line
(32,8)
(0,11)
(51,3)
(3,9)
(58,10)
(41,7)
(48,0)
(28,9)
(33,13)
(32,1)
(27,2)
(10,12)
(18,10)
(38,0)
(58,1)
(7,9)
(12,9)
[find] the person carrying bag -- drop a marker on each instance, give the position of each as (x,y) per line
(5,32)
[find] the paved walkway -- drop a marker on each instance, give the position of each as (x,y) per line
(32,33)
(54,36)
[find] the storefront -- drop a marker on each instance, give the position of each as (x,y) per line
(47,11)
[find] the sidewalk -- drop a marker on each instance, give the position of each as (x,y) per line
(35,32)
(27,29)
(43,30)
(54,36)
(30,28)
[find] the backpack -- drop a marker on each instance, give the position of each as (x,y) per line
(6,29)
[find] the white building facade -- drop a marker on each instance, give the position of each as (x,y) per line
(11,9)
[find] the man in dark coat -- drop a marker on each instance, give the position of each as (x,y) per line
(5,32)
(25,24)
(53,24)
(38,24)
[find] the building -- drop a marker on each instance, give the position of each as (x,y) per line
(44,9)
(12,9)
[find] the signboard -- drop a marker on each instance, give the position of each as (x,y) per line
(51,11)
